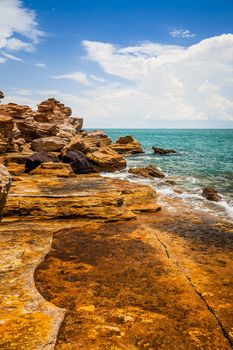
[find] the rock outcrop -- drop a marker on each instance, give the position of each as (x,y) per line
(106,159)
(87,141)
(48,144)
(20,126)
(33,161)
(5,183)
(78,161)
(150,172)
(127,145)
(211,194)
(162,151)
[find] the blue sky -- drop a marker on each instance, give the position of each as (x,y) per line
(122,63)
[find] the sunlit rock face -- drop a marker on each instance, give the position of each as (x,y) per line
(5,183)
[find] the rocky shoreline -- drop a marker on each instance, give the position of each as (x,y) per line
(89,262)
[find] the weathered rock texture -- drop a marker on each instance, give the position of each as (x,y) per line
(106,159)
(162,151)
(150,172)
(127,145)
(5,183)
(20,126)
(211,194)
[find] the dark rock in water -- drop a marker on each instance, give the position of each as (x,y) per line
(33,161)
(150,171)
(211,194)
(170,182)
(78,161)
(162,151)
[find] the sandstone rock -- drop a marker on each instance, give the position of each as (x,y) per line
(127,145)
(211,194)
(162,151)
(53,169)
(5,183)
(48,144)
(106,159)
(33,161)
(30,129)
(88,142)
(1,95)
(78,161)
(18,111)
(150,171)
(15,162)
(6,133)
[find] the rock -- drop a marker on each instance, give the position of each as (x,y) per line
(106,159)
(15,162)
(162,151)
(30,129)
(80,196)
(48,144)
(6,134)
(17,111)
(88,142)
(1,95)
(150,171)
(33,161)
(127,145)
(211,194)
(78,161)
(53,169)
(5,183)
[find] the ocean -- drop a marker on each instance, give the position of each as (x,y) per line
(204,158)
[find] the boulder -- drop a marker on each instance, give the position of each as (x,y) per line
(33,161)
(87,142)
(127,145)
(150,172)
(211,194)
(78,161)
(162,151)
(5,183)
(1,95)
(6,133)
(106,159)
(30,129)
(48,144)
(53,169)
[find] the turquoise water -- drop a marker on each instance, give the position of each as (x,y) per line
(204,158)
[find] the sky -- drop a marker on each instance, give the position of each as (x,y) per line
(122,63)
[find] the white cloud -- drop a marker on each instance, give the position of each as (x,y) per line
(181,33)
(41,65)
(165,82)
(76,76)
(16,20)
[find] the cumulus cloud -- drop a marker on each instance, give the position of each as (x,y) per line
(181,33)
(76,76)
(18,26)
(165,82)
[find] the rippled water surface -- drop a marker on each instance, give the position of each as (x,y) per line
(204,158)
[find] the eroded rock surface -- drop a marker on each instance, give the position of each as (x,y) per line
(127,145)
(151,171)
(5,183)
(211,194)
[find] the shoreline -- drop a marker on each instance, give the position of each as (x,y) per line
(92,263)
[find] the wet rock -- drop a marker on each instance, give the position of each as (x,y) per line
(48,144)
(78,161)
(53,169)
(150,171)
(127,145)
(106,159)
(33,161)
(5,183)
(211,194)
(162,151)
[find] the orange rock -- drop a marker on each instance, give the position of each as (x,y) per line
(106,159)
(127,145)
